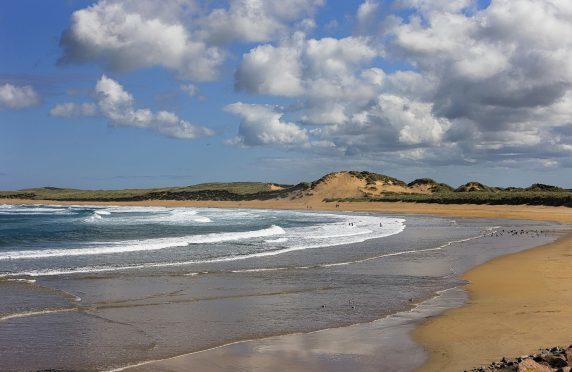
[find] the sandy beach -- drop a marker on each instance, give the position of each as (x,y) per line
(518,303)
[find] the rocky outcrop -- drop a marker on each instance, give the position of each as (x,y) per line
(555,359)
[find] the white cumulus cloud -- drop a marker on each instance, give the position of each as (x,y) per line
(191,89)
(263,125)
(257,20)
(271,70)
(117,105)
(328,72)
(438,81)
(184,36)
(365,15)
(467,84)
(70,109)
(17,97)
(125,36)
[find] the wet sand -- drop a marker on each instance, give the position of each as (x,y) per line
(518,303)
(360,347)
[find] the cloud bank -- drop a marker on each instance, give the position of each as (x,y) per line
(492,84)
(429,82)
(178,35)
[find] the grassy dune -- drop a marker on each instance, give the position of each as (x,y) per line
(204,191)
(548,198)
(342,186)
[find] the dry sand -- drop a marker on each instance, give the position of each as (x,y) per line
(518,303)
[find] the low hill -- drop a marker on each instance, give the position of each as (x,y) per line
(356,185)
(474,186)
(543,187)
(425,185)
(336,186)
(203,191)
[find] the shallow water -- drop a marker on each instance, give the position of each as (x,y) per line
(383,344)
(134,284)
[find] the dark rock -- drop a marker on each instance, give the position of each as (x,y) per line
(556,361)
(538,358)
(568,354)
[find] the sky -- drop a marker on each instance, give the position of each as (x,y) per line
(141,93)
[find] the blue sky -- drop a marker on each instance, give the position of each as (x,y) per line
(113,94)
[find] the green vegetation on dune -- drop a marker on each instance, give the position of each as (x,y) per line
(241,188)
(204,191)
(469,193)
(543,187)
(433,185)
(548,198)
(372,178)
(474,186)
(53,193)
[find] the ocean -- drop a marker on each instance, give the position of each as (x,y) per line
(53,240)
(99,287)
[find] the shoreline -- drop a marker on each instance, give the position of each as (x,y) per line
(525,212)
(234,354)
(510,309)
(518,303)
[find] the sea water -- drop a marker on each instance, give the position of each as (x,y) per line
(91,287)
(55,240)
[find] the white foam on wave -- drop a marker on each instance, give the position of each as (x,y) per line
(34,313)
(323,230)
(135,209)
(352,229)
(96,269)
(183,216)
(279,240)
(144,215)
(93,218)
(398,225)
(35,210)
(142,245)
(260,270)
(21,280)
(345,263)
(439,248)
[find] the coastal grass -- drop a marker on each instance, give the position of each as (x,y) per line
(547,198)
(242,191)
(356,186)
(201,190)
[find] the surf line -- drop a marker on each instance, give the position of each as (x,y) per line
(35,313)
(443,246)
